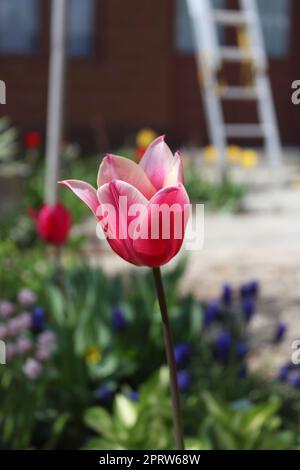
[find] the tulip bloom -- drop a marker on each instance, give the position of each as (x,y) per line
(143,208)
(32,140)
(53,223)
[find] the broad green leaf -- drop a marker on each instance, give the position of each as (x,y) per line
(260,415)
(99,420)
(126,411)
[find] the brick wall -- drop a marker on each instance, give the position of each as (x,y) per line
(125,85)
(135,78)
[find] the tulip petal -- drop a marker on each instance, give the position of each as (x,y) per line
(162,244)
(114,167)
(116,198)
(156,162)
(175,173)
(85,192)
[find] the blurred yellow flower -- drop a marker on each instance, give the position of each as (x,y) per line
(210,153)
(249,158)
(296,182)
(234,153)
(93,355)
(186,161)
(144,137)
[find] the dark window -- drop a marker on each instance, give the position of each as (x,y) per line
(274,16)
(80,27)
(276,24)
(19,26)
(183,28)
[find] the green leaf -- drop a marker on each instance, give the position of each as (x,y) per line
(57,429)
(260,415)
(99,420)
(217,409)
(226,439)
(126,411)
(101,444)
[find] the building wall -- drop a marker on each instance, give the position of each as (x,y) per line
(135,78)
(189,122)
(124,86)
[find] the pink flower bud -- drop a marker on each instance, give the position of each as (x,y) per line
(43,354)
(13,326)
(24,321)
(46,339)
(32,368)
(3,331)
(6,308)
(26,297)
(10,352)
(23,345)
(18,324)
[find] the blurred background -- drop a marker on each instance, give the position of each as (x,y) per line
(81,328)
(129,67)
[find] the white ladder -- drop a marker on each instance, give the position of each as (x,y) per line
(210,58)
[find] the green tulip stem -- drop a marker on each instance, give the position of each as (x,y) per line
(176,408)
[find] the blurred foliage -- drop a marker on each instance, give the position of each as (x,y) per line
(85,169)
(8,141)
(21,267)
(28,369)
(147,424)
(225,195)
(244,425)
(109,343)
(21,402)
(85,302)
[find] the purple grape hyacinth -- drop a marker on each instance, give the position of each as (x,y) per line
(119,321)
(184,379)
(182,353)
(222,346)
(280,332)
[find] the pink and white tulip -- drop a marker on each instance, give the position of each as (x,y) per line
(155,184)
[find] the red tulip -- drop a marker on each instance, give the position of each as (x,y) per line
(32,140)
(53,223)
(129,199)
(139,153)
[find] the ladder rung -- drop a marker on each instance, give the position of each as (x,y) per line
(244,130)
(230,18)
(235,54)
(238,93)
